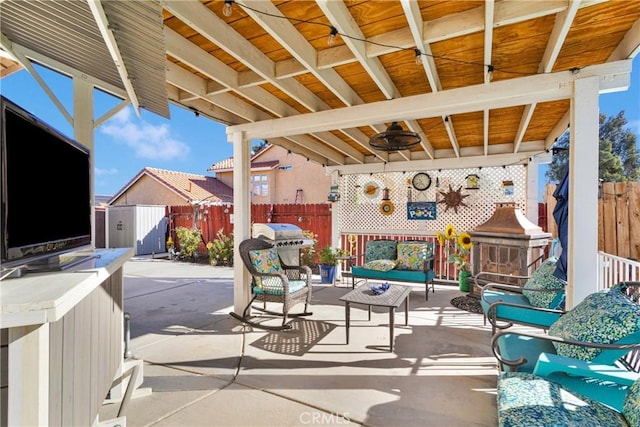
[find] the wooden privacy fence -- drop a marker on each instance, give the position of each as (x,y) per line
(315,218)
(618,218)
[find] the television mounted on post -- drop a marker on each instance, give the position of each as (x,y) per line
(45,195)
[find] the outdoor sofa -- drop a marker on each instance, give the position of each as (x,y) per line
(396,261)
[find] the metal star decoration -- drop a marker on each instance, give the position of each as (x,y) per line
(453,199)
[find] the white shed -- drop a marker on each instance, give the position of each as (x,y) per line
(142,227)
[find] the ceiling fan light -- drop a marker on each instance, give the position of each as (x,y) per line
(394,139)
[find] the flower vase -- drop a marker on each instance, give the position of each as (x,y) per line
(463,280)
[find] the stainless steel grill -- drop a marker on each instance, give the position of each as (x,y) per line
(287,238)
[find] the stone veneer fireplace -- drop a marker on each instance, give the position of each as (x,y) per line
(508,243)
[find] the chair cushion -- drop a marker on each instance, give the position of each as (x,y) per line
(602,317)
(631,408)
(528,400)
(543,278)
(273,286)
(265,260)
(523,314)
(381,265)
(380,249)
(411,255)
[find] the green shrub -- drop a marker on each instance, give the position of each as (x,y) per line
(307,254)
(221,249)
(188,239)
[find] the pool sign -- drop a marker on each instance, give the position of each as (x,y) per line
(421,210)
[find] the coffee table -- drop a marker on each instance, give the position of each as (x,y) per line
(392,298)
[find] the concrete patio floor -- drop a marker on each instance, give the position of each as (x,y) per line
(205,368)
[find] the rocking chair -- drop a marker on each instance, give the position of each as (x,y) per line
(273,281)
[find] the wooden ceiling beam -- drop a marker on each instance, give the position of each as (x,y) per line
(501,94)
(341,19)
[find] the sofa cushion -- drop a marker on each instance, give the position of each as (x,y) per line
(527,400)
(380,249)
(602,317)
(380,265)
(411,255)
(542,279)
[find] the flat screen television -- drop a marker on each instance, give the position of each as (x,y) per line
(45,208)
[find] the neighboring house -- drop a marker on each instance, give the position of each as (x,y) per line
(153,186)
(278,176)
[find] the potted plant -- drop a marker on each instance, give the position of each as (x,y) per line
(457,248)
(328,258)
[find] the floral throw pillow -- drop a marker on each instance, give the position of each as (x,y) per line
(380,249)
(543,279)
(265,260)
(381,265)
(411,255)
(602,317)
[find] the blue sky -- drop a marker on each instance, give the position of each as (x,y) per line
(127,143)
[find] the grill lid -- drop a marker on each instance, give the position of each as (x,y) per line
(507,218)
(274,231)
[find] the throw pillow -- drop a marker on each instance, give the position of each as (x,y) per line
(543,279)
(265,260)
(381,265)
(602,317)
(411,255)
(380,249)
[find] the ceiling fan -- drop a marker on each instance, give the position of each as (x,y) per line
(394,139)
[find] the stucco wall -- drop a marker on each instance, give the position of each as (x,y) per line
(284,182)
(148,192)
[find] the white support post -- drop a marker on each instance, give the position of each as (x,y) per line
(583,192)
(532,191)
(83,133)
(241,218)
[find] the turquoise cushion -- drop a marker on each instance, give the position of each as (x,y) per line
(380,265)
(380,249)
(273,286)
(528,400)
(602,317)
(631,408)
(543,278)
(514,346)
(522,315)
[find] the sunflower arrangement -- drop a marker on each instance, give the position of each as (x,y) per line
(456,246)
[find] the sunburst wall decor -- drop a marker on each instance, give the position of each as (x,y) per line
(452,199)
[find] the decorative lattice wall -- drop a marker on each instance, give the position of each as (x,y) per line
(361,212)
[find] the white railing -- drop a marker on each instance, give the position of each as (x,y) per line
(614,269)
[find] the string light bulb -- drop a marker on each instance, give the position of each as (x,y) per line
(418,56)
(331,40)
(489,72)
(227,9)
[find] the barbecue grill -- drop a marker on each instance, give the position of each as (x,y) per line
(287,238)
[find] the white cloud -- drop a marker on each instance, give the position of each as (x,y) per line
(146,140)
(634,126)
(105,172)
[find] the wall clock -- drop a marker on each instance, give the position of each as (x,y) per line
(421,181)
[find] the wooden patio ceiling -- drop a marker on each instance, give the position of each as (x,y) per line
(271,59)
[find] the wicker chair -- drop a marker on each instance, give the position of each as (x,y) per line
(273,281)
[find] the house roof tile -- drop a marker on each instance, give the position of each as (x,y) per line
(191,187)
